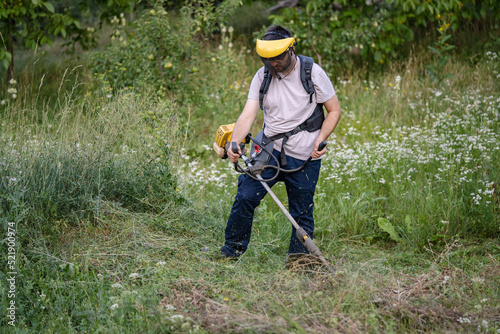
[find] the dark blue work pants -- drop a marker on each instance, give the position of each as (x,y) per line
(300,187)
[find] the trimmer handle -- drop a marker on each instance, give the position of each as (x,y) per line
(234,147)
(321,146)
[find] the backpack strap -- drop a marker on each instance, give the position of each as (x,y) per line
(306,64)
(264,87)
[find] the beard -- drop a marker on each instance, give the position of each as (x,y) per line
(281,67)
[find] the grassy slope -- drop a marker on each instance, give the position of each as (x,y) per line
(126,272)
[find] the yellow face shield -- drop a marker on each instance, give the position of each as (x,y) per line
(274,48)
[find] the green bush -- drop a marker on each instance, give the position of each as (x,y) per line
(161,50)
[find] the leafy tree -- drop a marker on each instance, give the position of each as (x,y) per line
(33,23)
(374,31)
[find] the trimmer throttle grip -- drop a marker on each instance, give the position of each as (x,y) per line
(234,147)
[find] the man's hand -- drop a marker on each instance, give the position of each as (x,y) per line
(242,127)
(315,153)
(231,155)
(332,107)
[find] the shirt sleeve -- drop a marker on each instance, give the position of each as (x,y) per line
(322,84)
(253,92)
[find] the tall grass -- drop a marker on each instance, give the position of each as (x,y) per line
(92,150)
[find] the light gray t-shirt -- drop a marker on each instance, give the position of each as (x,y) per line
(286,106)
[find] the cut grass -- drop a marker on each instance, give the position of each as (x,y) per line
(159,280)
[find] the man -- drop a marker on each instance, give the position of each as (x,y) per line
(286,105)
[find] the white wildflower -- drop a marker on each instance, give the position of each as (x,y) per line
(478,280)
(169,307)
(464,320)
(133,275)
(113,307)
(117,286)
(12,180)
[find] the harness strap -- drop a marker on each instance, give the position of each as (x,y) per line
(313,123)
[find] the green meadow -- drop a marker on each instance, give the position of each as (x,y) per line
(109,191)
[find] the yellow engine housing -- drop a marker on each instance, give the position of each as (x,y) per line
(224,134)
(222,138)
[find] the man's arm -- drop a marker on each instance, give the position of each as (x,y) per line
(332,107)
(243,125)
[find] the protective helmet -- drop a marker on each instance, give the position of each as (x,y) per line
(274,48)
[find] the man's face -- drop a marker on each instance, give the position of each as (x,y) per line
(280,63)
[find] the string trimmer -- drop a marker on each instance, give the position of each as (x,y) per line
(257,162)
